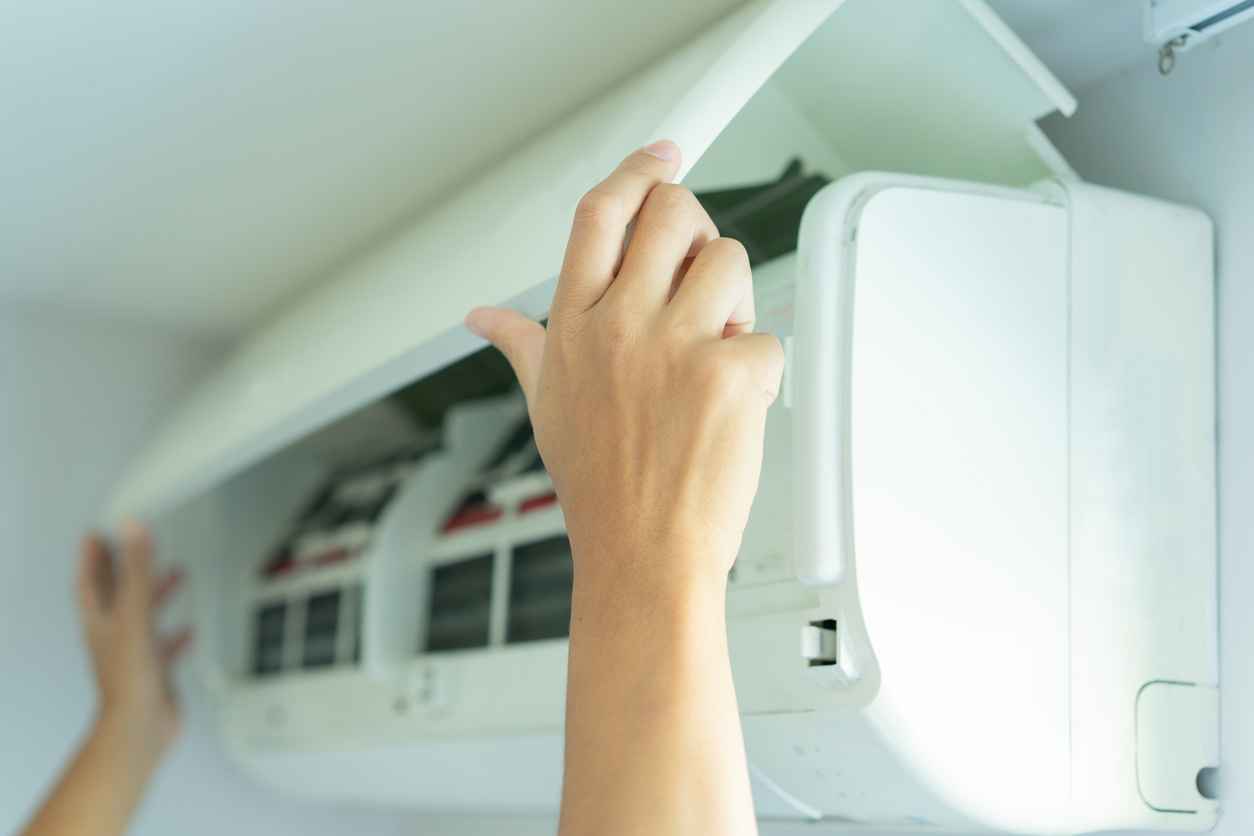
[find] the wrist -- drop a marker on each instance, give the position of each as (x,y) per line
(130,739)
(635,556)
(646,591)
(632,589)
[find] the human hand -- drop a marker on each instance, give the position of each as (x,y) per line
(137,715)
(648,391)
(648,394)
(118,600)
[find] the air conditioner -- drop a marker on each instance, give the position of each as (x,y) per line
(1187,23)
(977,588)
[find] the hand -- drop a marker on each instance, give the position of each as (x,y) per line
(118,600)
(648,392)
(137,716)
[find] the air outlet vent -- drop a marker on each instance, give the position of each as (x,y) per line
(539,591)
(322,621)
(268,639)
(460,605)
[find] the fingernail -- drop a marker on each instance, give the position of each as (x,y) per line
(663,149)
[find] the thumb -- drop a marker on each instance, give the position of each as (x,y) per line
(520,339)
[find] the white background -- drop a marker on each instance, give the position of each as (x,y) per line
(77,397)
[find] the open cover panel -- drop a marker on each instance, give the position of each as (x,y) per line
(860,86)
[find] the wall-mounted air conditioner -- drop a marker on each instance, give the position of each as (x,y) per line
(977,588)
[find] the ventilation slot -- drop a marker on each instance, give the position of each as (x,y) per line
(539,592)
(354,620)
(322,621)
(460,605)
(268,647)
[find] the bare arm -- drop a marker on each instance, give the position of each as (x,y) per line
(649,393)
(137,717)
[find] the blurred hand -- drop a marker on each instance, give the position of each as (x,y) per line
(648,392)
(137,715)
(118,598)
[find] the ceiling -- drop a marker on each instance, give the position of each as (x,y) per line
(1082,41)
(196,163)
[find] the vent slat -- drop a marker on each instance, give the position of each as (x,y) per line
(540,588)
(459,609)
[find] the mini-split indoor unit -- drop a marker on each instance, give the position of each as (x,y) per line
(977,590)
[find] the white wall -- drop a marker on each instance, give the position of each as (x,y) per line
(77,397)
(1190,138)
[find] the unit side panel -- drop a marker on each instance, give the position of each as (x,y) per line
(1142,485)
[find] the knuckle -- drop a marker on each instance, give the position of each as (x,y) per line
(726,258)
(773,352)
(601,207)
(733,252)
(671,199)
(772,366)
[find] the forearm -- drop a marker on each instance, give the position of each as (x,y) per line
(648,392)
(101,788)
(653,740)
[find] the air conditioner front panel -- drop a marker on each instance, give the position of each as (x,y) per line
(959,463)
(948,694)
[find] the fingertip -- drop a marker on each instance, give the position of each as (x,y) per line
(665,150)
(500,326)
(137,541)
(89,549)
(478,320)
(133,531)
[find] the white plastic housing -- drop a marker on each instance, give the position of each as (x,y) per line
(1025,621)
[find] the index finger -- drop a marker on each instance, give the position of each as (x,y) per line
(599,230)
(135,592)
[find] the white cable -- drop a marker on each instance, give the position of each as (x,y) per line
(811,813)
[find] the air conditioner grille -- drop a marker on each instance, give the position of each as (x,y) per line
(459,611)
(322,621)
(268,649)
(540,588)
